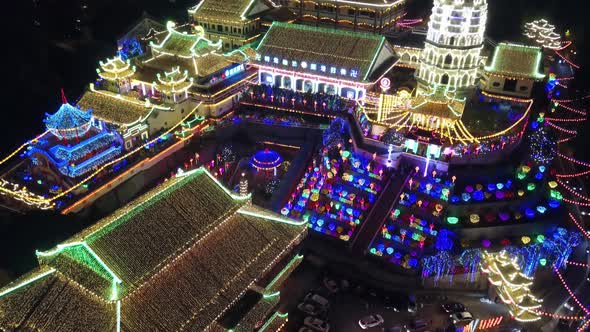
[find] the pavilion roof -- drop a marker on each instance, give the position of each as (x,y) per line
(184,251)
(173,81)
(67,117)
(516,60)
(355,52)
(115,69)
(438,106)
(184,44)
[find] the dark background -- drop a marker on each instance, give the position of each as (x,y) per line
(69,37)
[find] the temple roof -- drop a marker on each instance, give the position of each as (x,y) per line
(113,108)
(173,81)
(323,51)
(228,10)
(438,105)
(184,44)
(115,68)
(67,117)
(184,251)
(515,60)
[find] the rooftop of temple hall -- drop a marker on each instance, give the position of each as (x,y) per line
(184,250)
(316,50)
(516,60)
(230,10)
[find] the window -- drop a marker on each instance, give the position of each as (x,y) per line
(128,144)
(226,29)
(182,111)
(523,88)
(220,28)
(144,135)
(496,84)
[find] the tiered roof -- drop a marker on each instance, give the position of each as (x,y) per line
(227,10)
(518,61)
(115,69)
(359,54)
(512,285)
(438,105)
(67,117)
(175,258)
(173,81)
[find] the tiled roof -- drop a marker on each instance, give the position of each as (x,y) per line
(516,61)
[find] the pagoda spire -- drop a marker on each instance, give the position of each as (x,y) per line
(63,97)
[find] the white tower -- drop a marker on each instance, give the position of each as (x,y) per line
(243,185)
(451,54)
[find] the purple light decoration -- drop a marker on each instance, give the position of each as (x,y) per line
(486,243)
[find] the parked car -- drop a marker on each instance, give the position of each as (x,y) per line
(397,328)
(318,299)
(316,324)
(452,307)
(461,317)
(370,321)
(417,324)
(331,285)
(309,308)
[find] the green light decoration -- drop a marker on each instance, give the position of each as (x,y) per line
(295,259)
(540,238)
(26,282)
(531,186)
(555,194)
(396,212)
(521,175)
(543,261)
(452,220)
(275,294)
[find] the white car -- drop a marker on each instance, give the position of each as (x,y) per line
(316,324)
(316,298)
(308,308)
(370,321)
(461,317)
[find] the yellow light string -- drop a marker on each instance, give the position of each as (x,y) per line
(100,169)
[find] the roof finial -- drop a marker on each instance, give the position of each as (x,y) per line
(63,97)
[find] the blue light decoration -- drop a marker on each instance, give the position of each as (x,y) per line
(68,122)
(560,244)
(233,71)
(470,259)
(129,48)
(444,240)
(439,265)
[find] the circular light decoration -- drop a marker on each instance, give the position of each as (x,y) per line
(474,218)
(543,261)
(525,239)
(266,160)
(385,84)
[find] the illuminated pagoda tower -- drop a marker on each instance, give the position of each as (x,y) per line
(511,285)
(543,33)
(78,144)
(455,37)
(116,73)
(174,85)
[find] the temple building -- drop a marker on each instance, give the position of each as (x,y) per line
(216,79)
(234,23)
(452,51)
(513,70)
(187,255)
(304,58)
(77,144)
(368,15)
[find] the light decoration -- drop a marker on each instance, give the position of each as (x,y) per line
(580,227)
(266,160)
(173,82)
(115,69)
(543,34)
(572,295)
(577,264)
(68,122)
(99,169)
(11,288)
(572,191)
(570,159)
(243,185)
(512,285)
(542,146)
(569,108)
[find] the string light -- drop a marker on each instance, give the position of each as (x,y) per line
(574,175)
(580,227)
(570,159)
(568,131)
(571,109)
(573,296)
(578,264)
